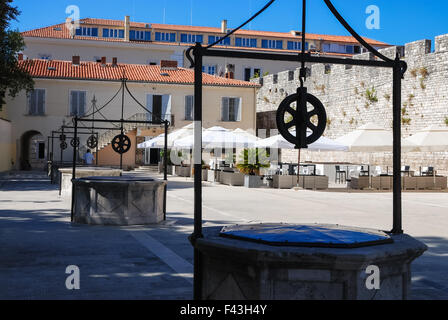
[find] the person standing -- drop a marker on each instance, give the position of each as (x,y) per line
(88,158)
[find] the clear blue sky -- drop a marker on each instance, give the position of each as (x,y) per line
(401,20)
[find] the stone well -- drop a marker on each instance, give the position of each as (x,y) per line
(119,201)
(235,269)
(66,176)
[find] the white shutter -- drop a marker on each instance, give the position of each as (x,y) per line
(149,101)
(225,109)
(239,109)
(166,107)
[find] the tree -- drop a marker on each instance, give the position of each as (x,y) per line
(252,161)
(13,79)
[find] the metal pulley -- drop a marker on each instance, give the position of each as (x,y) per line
(295,124)
(63,145)
(121,144)
(74,142)
(92,142)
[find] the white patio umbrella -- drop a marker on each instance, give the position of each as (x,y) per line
(218,137)
(159,141)
(430,139)
(322,144)
(244,133)
(371,138)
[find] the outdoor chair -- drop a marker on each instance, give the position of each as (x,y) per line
(428,172)
(406,170)
(340,174)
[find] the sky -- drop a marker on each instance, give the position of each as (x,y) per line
(400,21)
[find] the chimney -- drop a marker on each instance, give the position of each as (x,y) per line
(114,61)
(168,65)
(127,27)
(20,57)
(76,60)
(224,26)
(103,61)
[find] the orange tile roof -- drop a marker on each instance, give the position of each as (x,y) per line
(51,32)
(56,69)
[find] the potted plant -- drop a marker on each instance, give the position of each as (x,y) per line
(251,163)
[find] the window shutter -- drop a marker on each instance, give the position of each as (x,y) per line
(149,100)
(74,103)
(132,35)
(172,37)
(189,107)
(32,102)
(40,102)
(199,38)
(264,43)
(78,32)
(157,36)
(225,109)
(82,103)
(239,110)
(121,34)
(238,42)
(147,35)
(94,32)
(166,107)
(105,33)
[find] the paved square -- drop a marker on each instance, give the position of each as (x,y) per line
(155,262)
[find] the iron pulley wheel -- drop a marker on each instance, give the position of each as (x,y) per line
(310,119)
(74,142)
(92,142)
(63,145)
(121,144)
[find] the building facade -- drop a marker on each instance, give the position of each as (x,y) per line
(147,43)
(67,88)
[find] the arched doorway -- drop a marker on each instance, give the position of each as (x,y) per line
(32,151)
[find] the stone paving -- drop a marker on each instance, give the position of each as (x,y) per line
(155,262)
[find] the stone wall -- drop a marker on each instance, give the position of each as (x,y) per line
(355,95)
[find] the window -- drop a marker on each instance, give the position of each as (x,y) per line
(246,42)
(210,69)
(250,73)
(77,103)
(36,102)
(272,44)
(191,38)
(341,48)
(159,107)
(113,33)
(87,32)
(213,39)
(231,109)
(45,56)
(165,37)
(297,45)
(140,35)
(189,108)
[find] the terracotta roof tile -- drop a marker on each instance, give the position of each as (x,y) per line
(59,31)
(56,69)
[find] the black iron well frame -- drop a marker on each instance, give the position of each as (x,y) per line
(198,51)
(93,121)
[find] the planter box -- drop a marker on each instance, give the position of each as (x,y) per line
(409,183)
(424,182)
(183,171)
(382,183)
(253,181)
(315,182)
(359,182)
(232,178)
(284,182)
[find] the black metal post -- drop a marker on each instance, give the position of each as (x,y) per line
(165,169)
(198,52)
(397,205)
(62,150)
(75,151)
(96,154)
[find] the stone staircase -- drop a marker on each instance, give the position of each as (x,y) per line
(106,137)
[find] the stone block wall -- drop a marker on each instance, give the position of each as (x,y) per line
(354,96)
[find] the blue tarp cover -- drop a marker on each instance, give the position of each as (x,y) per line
(304,234)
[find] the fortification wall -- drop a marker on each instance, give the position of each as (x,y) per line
(354,96)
